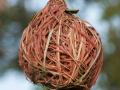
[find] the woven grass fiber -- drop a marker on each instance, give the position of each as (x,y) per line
(59,50)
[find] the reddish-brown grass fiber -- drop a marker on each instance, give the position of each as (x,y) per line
(59,50)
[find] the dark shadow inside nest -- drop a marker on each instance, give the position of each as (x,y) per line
(74,88)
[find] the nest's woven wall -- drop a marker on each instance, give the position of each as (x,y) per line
(60,50)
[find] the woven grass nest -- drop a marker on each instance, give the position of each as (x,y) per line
(59,50)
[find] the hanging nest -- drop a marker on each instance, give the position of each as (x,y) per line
(59,50)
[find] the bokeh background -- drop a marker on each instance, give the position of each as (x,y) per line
(104,15)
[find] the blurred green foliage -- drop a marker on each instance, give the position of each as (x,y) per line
(19,17)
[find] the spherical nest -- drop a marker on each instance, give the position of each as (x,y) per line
(59,50)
